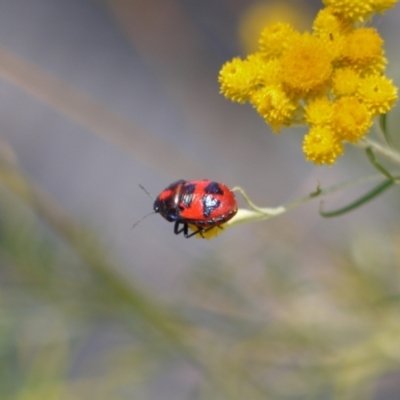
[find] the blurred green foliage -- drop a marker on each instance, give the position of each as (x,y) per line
(73,326)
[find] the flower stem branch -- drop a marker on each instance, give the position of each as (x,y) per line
(386,152)
(256,213)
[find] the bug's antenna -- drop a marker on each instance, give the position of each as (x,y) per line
(153,212)
(145,190)
(141,219)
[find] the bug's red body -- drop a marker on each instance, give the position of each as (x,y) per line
(202,203)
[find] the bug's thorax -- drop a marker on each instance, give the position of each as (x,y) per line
(167,203)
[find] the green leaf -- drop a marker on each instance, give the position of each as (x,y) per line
(377,165)
(361,201)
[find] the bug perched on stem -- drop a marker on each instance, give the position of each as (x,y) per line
(202,204)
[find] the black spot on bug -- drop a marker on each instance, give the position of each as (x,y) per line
(187,194)
(213,188)
(210,203)
(189,188)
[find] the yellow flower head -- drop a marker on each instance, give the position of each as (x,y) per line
(345,82)
(359,9)
(319,111)
(351,119)
(260,14)
(275,106)
(321,146)
(271,73)
(363,46)
(238,77)
(332,29)
(332,79)
(378,93)
(275,39)
(329,23)
(306,65)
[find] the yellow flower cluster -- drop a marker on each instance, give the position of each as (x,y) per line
(331,79)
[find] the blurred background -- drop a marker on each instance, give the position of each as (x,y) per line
(97,97)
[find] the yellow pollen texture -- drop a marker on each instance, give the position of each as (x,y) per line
(331,79)
(306,65)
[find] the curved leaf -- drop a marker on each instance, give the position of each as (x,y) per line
(361,201)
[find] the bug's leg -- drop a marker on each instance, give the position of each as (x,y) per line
(178,229)
(189,235)
(185,229)
(201,231)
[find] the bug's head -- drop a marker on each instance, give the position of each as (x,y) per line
(167,202)
(167,206)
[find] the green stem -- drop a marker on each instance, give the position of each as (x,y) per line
(257,213)
(386,152)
